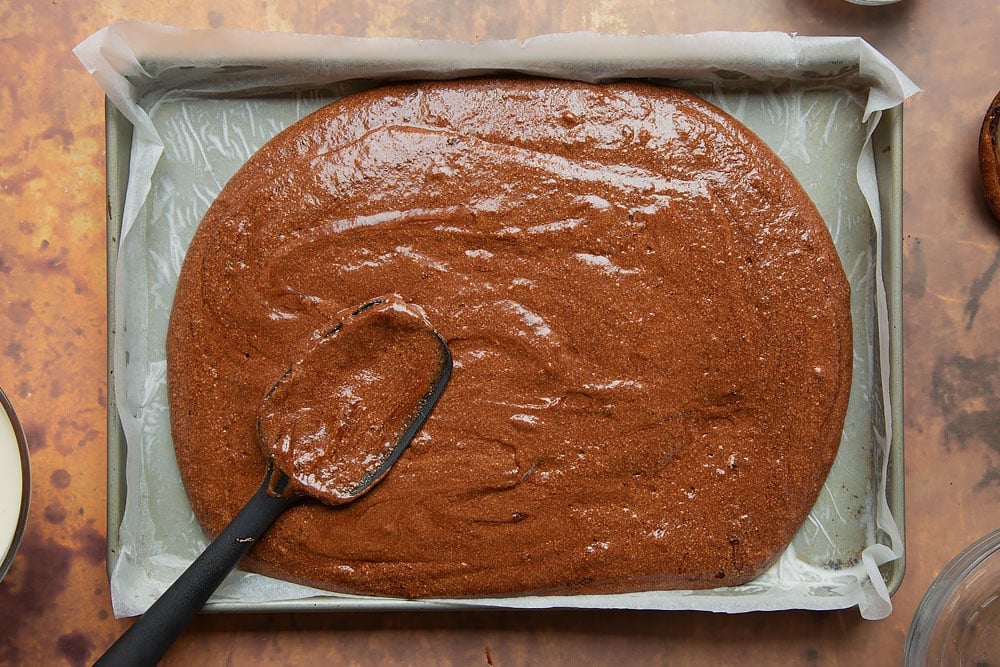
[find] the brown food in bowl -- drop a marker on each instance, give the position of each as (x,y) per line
(649,321)
(989,162)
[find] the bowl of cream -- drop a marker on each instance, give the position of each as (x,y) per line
(15,483)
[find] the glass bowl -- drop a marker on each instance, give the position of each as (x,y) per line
(958,620)
(15,483)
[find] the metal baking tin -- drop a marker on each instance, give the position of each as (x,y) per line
(887,144)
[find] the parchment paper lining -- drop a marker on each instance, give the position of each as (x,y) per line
(203,101)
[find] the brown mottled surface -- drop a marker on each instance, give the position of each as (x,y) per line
(54,604)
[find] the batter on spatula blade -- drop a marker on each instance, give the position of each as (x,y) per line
(337,419)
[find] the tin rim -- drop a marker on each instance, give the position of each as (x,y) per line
(22,518)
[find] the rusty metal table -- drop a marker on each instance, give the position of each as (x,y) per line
(54,604)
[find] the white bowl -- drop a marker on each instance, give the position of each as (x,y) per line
(15,483)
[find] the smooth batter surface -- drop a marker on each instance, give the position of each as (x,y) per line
(649,321)
(339,414)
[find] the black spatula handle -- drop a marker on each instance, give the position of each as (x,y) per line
(152,634)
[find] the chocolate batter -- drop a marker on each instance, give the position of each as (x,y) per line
(337,417)
(649,321)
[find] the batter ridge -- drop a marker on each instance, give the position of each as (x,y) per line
(649,321)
